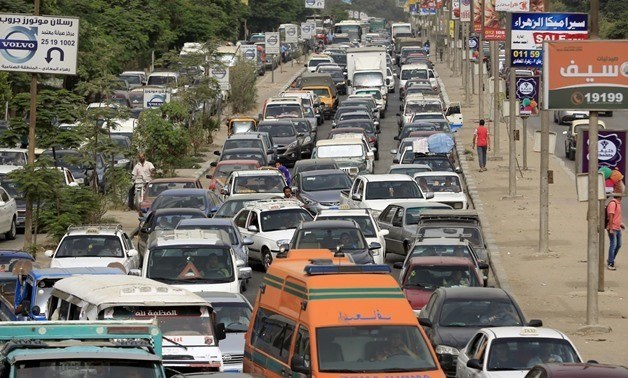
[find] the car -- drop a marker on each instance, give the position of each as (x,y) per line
(268,181)
(13,157)
(223,169)
(270,224)
(372,132)
(313,165)
(320,189)
(134,78)
(408,169)
(233,205)
(353,155)
(250,140)
(453,315)
(94,246)
(80,166)
(446,187)
(513,351)
(563,117)
(163,220)
(577,370)
(239,244)
(121,157)
(288,142)
(316,59)
(571,138)
(438,162)
(234,311)
(365,220)
(376,93)
(355,110)
(426,274)
(304,126)
(157,186)
(206,201)
(8,215)
(404,144)
(400,219)
(8,259)
(244,154)
(335,235)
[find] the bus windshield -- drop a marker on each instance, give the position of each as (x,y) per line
(88,367)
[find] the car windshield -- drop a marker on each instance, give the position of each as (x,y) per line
(259,184)
(170,221)
(190,264)
(352,116)
(440,184)
(419,117)
(414,74)
(87,367)
(161,80)
(231,208)
(411,50)
(237,155)
(180,200)
(346,238)
(420,89)
(320,92)
(131,79)
(12,158)
(69,160)
(302,126)
(90,246)
(409,171)
(436,164)
(472,234)
(283,110)
(278,131)
(339,58)
(392,190)
(234,315)
(243,143)
(480,312)
(230,230)
(334,181)
(422,250)
(434,276)
(364,222)
(367,126)
(223,171)
(340,151)
(283,219)
(154,189)
(242,126)
(368,79)
(316,62)
(423,107)
(376,94)
(523,353)
(10,187)
(412,213)
(372,349)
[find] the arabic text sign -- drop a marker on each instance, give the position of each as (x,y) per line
(271,40)
(38,44)
(512,5)
(611,147)
(591,75)
(315,4)
(530,30)
(155,97)
(527,94)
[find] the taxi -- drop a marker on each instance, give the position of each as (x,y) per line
(240,124)
(513,351)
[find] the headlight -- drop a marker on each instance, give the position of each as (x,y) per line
(307,140)
(282,242)
(445,349)
(292,145)
(458,205)
(308,201)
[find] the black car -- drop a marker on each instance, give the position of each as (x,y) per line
(287,141)
(163,220)
(334,235)
(453,315)
(369,127)
(81,166)
(304,126)
(353,109)
(244,154)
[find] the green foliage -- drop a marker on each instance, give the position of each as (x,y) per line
(269,14)
(385,8)
(242,77)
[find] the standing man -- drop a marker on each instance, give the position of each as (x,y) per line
(614,226)
(482,140)
(143,171)
(284,171)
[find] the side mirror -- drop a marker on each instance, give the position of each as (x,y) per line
(398,265)
(48,253)
(356,197)
(458,170)
(425,322)
(209,176)
(294,189)
(482,265)
(474,364)
(535,323)
(219,331)
(145,230)
(270,151)
(224,191)
(35,310)
(370,154)
(2,203)
(252,228)
(244,273)
(305,65)
(133,253)
(240,263)
(297,365)
(217,153)
(393,151)
(213,164)
(429,195)
(396,137)
(384,232)
(387,81)
(396,161)
(247,241)
(374,245)
(135,272)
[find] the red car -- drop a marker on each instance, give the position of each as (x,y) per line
(223,169)
(426,274)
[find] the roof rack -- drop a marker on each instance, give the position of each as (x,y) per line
(318,270)
(85,227)
(277,201)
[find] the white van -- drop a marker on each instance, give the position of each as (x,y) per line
(190,335)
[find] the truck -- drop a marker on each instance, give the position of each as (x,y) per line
(81,349)
(366,68)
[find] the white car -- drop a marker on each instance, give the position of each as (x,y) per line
(512,351)
(94,246)
(267,181)
(352,154)
(368,225)
(391,77)
(270,224)
(8,215)
(446,186)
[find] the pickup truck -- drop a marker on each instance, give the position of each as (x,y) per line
(81,349)
(375,192)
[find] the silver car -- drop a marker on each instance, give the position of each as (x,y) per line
(239,243)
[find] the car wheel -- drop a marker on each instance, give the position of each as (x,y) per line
(10,235)
(566,150)
(572,155)
(267,259)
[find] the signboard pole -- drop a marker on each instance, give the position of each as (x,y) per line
(592,218)
(465,62)
(481,66)
(457,51)
(543,168)
(524,146)
(495,115)
(512,174)
(28,222)
(272,70)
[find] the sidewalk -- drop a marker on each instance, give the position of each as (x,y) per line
(550,287)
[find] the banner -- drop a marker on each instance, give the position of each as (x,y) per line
(306,31)
(315,4)
(455,9)
(611,150)
(465,10)
(529,30)
(271,40)
(587,75)
(292,35)
(512,5)
(249,52)
(527,93)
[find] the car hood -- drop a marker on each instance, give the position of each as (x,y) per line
(360,256)
(80,262)
(279,234)
(283,141)
(506,374)
(456,337)
(233,344)
(350,162)
(380,204)
(417,297)
(323,195)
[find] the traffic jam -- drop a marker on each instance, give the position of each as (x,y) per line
(333,236)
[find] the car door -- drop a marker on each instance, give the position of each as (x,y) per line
(397,231)
(145,229)
(385,223)
(134,261)
(474,349)
(242,221)
(6,211)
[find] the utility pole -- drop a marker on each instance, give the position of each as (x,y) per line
(28,222)
(465,63)
(543,171)
(495,115)
(481,65)
(512,117)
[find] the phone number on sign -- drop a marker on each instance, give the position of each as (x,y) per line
(603,97)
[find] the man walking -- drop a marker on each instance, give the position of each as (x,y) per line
(614,226)
(482,140)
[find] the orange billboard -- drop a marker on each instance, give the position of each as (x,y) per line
(588,75)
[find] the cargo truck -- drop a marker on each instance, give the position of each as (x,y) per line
(366,68)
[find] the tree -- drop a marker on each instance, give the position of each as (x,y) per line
(242,77)
(269,14)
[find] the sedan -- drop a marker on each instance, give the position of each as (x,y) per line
(320,189)
(204,200)
(369,128)
(156,186)
(162,220)
(287,141)
(453,315)
(577,370)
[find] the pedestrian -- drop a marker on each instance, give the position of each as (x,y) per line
(614,225)
(284,171)
(482,140)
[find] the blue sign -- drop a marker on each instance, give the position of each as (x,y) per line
(19,44)
(530,30)
(156,101)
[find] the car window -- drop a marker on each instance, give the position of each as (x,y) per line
(474,344)
(388,214)
(397,219)
(240,220)
(90,246)
(4,195)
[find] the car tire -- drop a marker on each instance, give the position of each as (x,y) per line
(267,259)
(572,155)
(10,235)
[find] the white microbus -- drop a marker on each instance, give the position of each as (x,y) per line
(190,339)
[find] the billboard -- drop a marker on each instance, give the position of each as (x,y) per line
(527,94)
(465,10)
(315,4)
(512,5)
(530,30)
(271,40)
(589,75)
(611,150)
(155,97)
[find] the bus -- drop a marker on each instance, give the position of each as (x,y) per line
(190,335)
(352,28)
